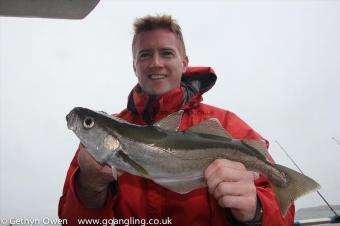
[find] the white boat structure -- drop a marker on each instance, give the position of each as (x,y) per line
(319,211)
(57,9)
(318,221)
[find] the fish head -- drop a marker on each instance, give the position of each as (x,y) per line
(95,131)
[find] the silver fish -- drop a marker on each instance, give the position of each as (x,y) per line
(177,159)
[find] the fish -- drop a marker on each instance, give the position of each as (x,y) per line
(177,159)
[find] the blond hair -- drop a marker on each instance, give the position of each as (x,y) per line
(149,23)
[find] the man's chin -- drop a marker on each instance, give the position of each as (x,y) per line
(159,91)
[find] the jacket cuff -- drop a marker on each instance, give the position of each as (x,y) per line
(271,212)
(256,221)
(73,209)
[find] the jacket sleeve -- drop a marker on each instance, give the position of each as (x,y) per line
(271,214)
(72,209)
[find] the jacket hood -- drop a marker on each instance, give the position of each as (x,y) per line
(200,79)
(194,82)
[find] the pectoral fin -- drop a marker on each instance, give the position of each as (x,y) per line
(132,163)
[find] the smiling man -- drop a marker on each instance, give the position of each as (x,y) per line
(159,61)
(233,196)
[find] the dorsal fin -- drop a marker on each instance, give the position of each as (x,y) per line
(259,145)
(171,122)
(210,126)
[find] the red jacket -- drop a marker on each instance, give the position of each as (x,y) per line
(141,198)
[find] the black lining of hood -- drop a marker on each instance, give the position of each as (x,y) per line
(131,103)
(146,114)
(200,82)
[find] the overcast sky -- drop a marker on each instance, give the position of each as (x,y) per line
(277,63)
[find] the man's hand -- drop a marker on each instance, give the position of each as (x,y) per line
(233,187)
(93,179)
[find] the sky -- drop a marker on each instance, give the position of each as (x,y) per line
(277,64)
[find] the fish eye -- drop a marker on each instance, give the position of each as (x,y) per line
(88,123)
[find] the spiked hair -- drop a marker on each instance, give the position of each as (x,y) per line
(149,23)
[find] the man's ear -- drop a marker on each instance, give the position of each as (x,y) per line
(134,66)
(185,63)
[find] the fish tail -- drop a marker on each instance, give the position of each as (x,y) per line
(297,185)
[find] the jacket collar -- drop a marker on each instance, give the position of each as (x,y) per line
(195,82)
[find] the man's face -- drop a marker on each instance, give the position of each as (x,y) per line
(158,61)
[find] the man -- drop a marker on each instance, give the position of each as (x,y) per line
(234,196)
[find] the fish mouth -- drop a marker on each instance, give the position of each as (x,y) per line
(72,120)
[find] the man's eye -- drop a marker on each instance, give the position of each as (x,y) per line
(144,55)
(167,53)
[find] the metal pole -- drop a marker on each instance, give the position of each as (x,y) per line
(338,142)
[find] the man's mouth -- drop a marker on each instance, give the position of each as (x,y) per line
(156,76)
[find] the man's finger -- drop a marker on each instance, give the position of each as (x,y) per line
(222,163)
(231,189)
(225,174)
(237,202)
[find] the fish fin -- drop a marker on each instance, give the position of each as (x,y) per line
(171,122)
(258,145)
(297,185)
(210,126)
(133,163)
(182,186)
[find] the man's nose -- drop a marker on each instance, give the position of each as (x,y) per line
(156,61)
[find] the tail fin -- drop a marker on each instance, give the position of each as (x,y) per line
(297,185)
